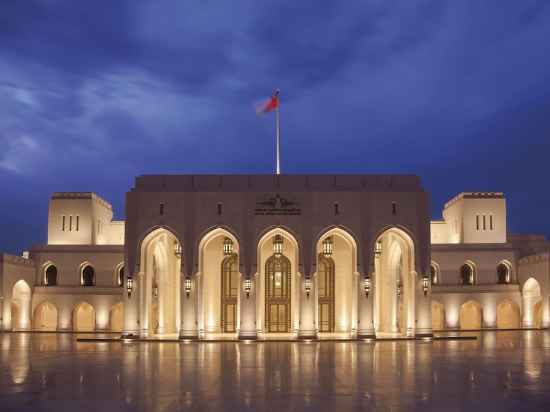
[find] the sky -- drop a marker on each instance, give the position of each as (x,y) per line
(94,93)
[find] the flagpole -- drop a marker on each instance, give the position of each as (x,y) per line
(278,138)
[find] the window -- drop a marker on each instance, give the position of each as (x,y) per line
(434,274)
(467,274)
(491,222)
(161,209)
(503,273)
(219,209)
(393,208)
(63,224)
(77,222)
(50,276)
(120,276)
(88,276)
(336,209)
(70,223)
(477,222)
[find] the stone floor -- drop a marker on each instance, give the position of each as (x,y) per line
(498,371)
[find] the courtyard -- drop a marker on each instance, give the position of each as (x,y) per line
(500,370)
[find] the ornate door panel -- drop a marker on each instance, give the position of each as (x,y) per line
(230,292)
(325,282)
(277,294)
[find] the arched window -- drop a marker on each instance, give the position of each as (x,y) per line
(120,276)
(434,274)
(503,273)
(467,274)
(50,276)
(88,276)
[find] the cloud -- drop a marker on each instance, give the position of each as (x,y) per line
(20,154)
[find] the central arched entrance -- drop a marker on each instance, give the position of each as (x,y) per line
(277,300)
(160,283)
(394,284)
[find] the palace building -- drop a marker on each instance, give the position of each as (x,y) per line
(277,256)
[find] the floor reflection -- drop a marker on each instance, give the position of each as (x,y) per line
(498,370)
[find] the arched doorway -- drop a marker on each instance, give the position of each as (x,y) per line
(394,283)
(45,317)
(160,283)
(21,306)
(116,317)
(84,318)
(438,315)
(508,315)
(277,298)
(87,275)
(470,316)
(531,298)
(218,283)
(336,282)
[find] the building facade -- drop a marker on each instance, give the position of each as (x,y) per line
(289,256)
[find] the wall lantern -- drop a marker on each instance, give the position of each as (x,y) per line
(187,286)
(227,247)
(307,286)
(155,290)
(129,285)
(247,287)
(328,247)
(367,285)
(278,246)
(378,248)
(177,249)
(425,284)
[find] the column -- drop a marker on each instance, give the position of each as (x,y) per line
(423,309)
(189,324)
(247,328)
(307,328)
(365,316)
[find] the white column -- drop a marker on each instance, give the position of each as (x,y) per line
(307,328)
(189,324)
(365,316)
(423,309)
(247,308)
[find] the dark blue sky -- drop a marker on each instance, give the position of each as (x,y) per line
(94,93)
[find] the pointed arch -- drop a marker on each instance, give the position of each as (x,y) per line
(45,317)
(438,315)
(218,280)
(116,317)
(291,252)
(508,315)
(83,317)
(395,278)
(532,303)
(21,305)
(337,290)
(471,315)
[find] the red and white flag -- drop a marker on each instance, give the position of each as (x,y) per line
(268,105)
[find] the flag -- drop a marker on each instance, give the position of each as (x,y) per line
(268,105)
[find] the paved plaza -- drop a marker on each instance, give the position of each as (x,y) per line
(498,371)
